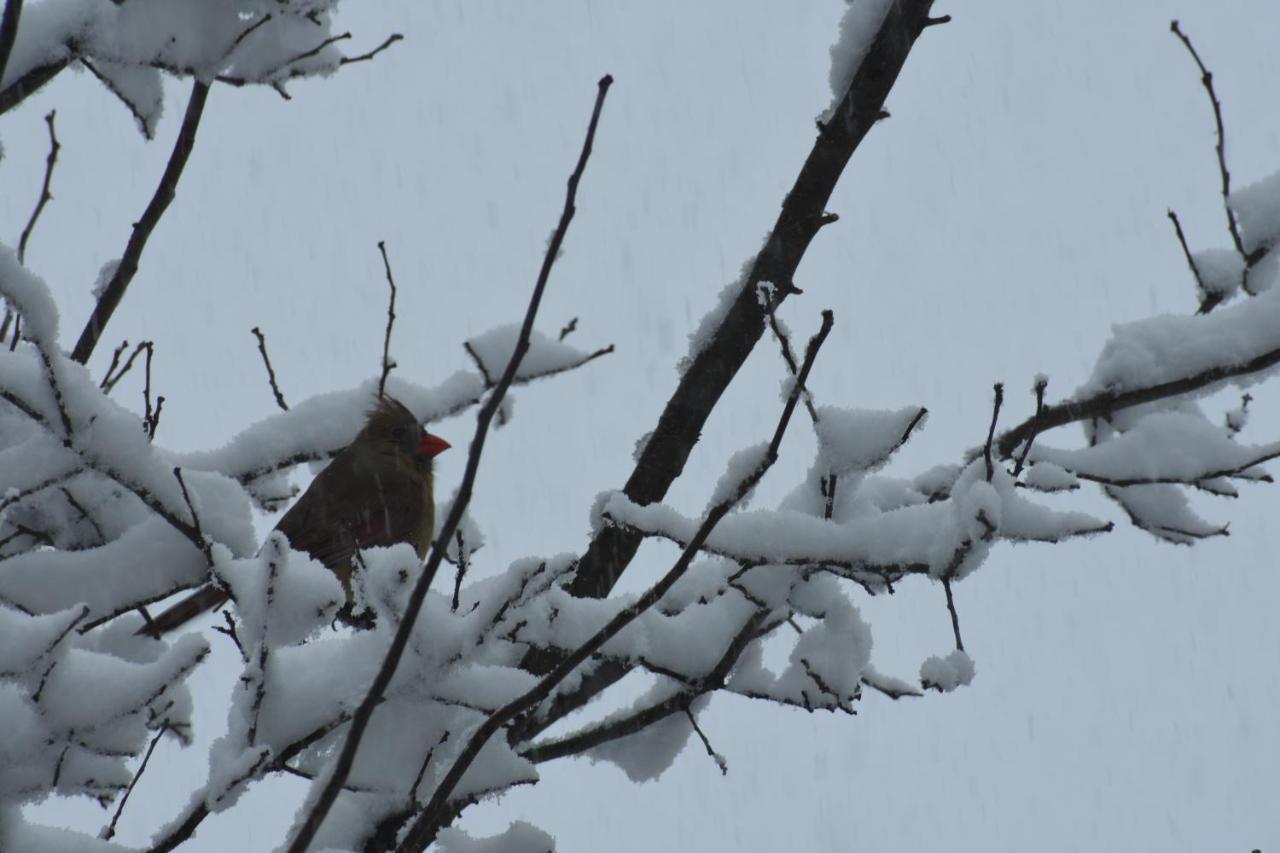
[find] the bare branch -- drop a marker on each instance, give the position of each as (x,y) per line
(991,432)
(271,374)
(1042,382)
(955,618)
(387,363)
(164,194)
(45,195)
(109,831)
(390,40)
(1206,77)
(712,369)
(360,721)
(1208,301)
(150,418)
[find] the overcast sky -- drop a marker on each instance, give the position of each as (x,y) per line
(1008,213)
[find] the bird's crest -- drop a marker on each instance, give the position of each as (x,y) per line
(387,415)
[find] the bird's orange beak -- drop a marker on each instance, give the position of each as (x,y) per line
(431,446)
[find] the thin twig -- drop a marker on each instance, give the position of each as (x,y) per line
(115,360)
(955,618)
(109,381)
(360,720)
(1206,77)
(110,831)
(706,742)
(428,823)
(84,513)
(195,519)
(387,363)
(569,328)
(991,432)
(164,194)
(231,632)
(45,195)
(151,418)
(1042,382)
(390,40)
(462,569)
(271,374)
(1207,300)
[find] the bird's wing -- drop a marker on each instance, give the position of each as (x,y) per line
(363,498)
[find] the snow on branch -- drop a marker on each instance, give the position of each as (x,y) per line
(128,46)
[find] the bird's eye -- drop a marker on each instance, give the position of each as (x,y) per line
(399,433)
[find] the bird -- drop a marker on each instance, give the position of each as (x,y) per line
(376,491)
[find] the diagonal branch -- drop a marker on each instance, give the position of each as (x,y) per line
(360,721)
(438,810)
(1206,78)
(711,371)
(8,32)
(45,195)
(128,266)
(1108,402)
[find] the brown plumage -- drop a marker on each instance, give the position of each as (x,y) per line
(377,491)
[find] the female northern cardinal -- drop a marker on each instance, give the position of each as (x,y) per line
(377,491)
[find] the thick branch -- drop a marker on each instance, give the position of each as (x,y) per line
(29,83)
(8,31)
(712,369)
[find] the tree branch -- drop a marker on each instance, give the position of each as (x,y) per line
(1206,77)
(387,363)
(271,374)
(8,32)
(424,829)
(802,215)
(164,194)
(1108,402)
(45,195)
(360,721)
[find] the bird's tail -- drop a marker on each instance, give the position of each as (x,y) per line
(201,601)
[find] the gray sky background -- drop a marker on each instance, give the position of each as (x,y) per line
(1008,213)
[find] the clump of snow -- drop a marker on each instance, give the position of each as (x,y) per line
(30,296)
(647,754)
(493,349)
(1045,476)
(1257,210)
(1168,348)
(105,274)
(861,439)
(642,443)
(1164,511)
(1220,272)
(520,837)
(948,673)
(858,29)
(742,465)
(1169,446)
(700,337)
